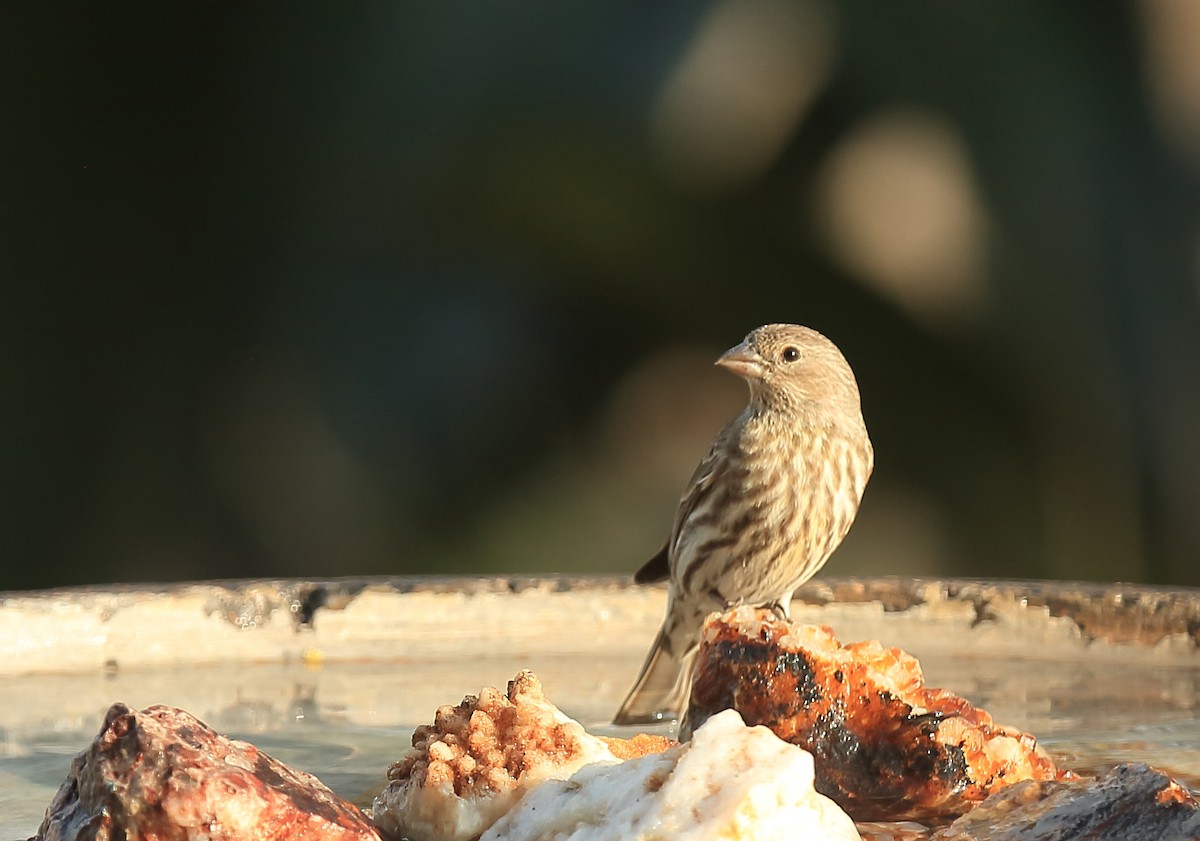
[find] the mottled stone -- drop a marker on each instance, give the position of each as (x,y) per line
(886,746)
(1130,803)
(162,775)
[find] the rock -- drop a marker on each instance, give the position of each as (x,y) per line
(478,759)
(731,782)
(886,747)
(1130,803)
(638,745)
(162,775)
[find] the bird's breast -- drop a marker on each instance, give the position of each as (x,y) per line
(784,498)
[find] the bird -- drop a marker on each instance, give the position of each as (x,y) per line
(765,508)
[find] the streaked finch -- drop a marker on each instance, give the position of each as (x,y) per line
(765,508)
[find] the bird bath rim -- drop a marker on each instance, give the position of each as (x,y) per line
(365,618)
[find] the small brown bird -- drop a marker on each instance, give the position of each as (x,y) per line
(766,507)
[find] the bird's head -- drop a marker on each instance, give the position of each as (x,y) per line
(794,368)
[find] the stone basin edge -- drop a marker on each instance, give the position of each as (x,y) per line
(383,618)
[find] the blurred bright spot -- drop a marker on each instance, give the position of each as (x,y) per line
(898,203)
(740,90)
(1171,29)
(663,414)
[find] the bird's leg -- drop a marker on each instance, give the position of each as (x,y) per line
(781,608)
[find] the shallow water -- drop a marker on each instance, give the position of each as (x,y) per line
(346,722)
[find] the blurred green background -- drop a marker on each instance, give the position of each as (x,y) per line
(320,289)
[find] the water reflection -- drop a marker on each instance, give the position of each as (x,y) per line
(346,722)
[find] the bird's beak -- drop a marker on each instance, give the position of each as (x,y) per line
(742,360)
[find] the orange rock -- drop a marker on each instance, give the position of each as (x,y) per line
(640,745)
(886,746)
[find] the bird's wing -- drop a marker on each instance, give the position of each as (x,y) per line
(698,489)
(699,486)
(657,568)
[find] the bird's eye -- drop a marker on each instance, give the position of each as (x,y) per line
(791,354)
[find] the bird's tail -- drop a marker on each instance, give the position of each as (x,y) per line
(661,691)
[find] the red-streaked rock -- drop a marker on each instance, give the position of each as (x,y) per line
(886,746)
(163,775)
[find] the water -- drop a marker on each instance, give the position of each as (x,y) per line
(347,722)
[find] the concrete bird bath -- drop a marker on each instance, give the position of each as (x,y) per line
(331,676)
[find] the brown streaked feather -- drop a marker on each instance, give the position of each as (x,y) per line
(699,486)
(658,568)
(765,508)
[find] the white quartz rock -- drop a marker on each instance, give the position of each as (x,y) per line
(730,782)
